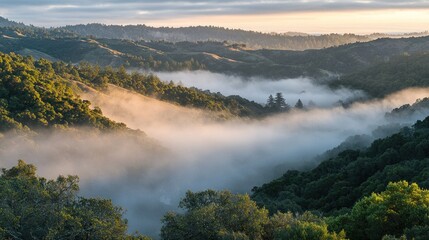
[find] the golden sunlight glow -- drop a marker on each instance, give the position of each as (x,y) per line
(361,22)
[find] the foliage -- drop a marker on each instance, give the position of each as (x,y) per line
(215,215)
(222,215)
(301,227)
(397,74)
(251,39)
(299,104)
(337,183)
(35,208)
(221,56)
(33,96)
(420,107)
(277,104)
(402,209)
(151,85)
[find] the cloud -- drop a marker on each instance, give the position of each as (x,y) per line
(50,12)
(198,152)
(258,89)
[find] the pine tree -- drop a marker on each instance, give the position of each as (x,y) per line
(280,102)
(299,104)
(270,102)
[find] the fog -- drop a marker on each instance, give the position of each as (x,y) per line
(258,89)
(188,149)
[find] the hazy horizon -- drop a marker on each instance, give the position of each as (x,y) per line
(227,27)
(313,17)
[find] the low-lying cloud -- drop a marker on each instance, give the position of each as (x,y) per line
(258,89)
(197,153)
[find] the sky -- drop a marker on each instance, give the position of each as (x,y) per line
(311,16)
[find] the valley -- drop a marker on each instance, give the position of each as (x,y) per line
(138,132)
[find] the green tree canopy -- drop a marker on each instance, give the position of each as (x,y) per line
(223,215)
(215,215)
(307,226)
(36,208)
(402,208)
(32,96)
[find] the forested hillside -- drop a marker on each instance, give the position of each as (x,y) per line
(33,207)
(4,22)
(150,85)
(253,40)
(35,94)
(32,96)
(372,186)
(337,183)
(400,211)
(397,208)
(399,73)
(213,56)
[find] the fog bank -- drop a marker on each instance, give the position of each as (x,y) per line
(258,89)
(192,150)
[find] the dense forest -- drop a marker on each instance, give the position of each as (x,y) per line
(150,85)
(371,206)
(399,211)
(223,57)
(399,73)
(332,201)
(33,207)
(253,40)
(35,94)
(362,189)
(338,183)
(420,107)
(32,96)
(37,208)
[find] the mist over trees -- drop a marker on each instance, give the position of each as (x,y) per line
(150,85)
(299,104)
(359,192)
(277,103)
(36,208)
(215,56)
(250,39)
(337,183)
(387,77)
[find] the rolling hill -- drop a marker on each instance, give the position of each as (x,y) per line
(214,56)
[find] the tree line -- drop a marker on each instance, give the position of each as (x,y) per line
(278,104)
(150,85)
(33,207)
(33,96)
(336,184)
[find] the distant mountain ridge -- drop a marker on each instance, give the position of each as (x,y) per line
(213,56)
(252,39)
(4,22)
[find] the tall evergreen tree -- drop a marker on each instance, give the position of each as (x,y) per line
(270,102)
(280,102)
(299,104)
